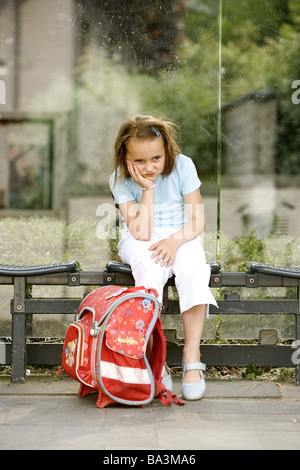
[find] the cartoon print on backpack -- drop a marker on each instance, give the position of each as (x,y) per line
(70,352)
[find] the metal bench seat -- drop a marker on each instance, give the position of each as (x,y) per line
(273,270)
(119,267)
(24,271)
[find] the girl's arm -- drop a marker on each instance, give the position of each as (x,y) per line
(165,250)
(139,217)
(196,220)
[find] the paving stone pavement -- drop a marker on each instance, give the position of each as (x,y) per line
(45,414)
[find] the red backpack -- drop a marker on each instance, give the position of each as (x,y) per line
(105,347)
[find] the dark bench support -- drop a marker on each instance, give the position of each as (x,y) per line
(19,354)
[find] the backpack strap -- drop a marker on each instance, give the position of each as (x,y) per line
(157,362)
(169,398)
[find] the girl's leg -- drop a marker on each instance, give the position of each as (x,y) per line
(193,322)
(192,276)
(144,270)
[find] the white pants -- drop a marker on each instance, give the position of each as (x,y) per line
(192,273)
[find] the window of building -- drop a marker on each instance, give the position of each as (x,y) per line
(26,165)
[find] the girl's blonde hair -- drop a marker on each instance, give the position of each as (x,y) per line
(145,128)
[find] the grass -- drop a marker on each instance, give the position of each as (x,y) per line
(251,372)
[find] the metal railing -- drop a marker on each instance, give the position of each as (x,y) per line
(19,354)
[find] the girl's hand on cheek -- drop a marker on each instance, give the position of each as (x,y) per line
(136,175)
(131,170)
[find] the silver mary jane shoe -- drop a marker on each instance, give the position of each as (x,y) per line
(195,390)
(167,381)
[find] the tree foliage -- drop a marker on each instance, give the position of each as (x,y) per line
(260,52)
(170,49)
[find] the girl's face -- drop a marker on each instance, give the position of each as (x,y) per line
(148,156)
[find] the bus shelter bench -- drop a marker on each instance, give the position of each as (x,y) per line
(19,353)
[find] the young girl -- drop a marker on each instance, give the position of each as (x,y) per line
(157,190)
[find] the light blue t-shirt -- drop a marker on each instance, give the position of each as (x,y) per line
(168,192)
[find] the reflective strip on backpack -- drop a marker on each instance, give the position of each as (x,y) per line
(131,375)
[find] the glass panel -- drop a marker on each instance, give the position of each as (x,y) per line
(26,165)
(100,62)
(160,58)
(260,212)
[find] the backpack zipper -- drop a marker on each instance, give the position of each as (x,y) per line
(93,360)
(115,294)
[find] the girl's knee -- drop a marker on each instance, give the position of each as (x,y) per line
(147,267)
(150,275)
(133,251)
(189,256)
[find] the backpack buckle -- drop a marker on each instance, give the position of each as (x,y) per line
(95,329)
(115,294)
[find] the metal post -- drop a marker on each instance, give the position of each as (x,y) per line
(19,353)
(297,366)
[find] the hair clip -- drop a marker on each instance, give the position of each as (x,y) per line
(156,131)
